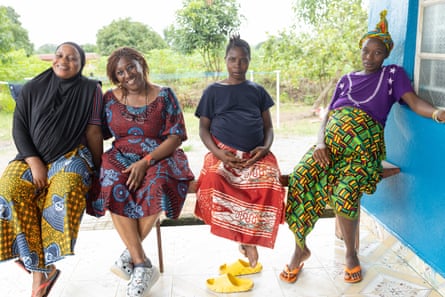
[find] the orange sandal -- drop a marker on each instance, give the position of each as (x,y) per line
(290,276)
(353,275)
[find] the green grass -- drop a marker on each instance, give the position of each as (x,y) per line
(6,126)
(294,120)
(191,123)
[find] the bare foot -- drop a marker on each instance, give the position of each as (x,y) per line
(38,279)
(352,261)
(252,254)
(353,272)
(242,250)
(299,256)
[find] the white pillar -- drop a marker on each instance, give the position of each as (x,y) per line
(278,97)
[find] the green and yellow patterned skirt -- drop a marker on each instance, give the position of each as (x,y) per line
(356,146)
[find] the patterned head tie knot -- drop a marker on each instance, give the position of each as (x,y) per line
(380,32)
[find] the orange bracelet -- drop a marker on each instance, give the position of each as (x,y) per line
(149,159)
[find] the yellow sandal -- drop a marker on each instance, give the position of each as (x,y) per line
(228,283)
(240,267)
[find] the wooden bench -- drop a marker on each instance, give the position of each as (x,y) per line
(388,170)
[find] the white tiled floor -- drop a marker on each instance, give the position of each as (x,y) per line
(192,255)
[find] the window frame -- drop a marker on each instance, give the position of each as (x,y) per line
(419,55)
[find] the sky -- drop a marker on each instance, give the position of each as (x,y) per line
(55,21)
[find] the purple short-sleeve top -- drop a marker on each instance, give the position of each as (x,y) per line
(373,93)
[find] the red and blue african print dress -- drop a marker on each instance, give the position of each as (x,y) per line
(138,131)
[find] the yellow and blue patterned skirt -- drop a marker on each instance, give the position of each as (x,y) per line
(41,227)
(356,147)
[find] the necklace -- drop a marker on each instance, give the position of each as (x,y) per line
(138,114)
(125,99)
(356,102)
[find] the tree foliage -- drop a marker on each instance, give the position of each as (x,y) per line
(12,35)
(326,47)
(322,45)
(47,48)
(312,11)
(17,67)
(89,48)
(204,26)
(125,32)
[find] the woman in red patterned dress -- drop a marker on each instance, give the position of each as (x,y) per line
(239,193)
(144,172)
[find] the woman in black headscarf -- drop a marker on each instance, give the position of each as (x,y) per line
(58,136)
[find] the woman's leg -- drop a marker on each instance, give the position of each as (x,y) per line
(306,202)
(251,253)
(299,256)
(349,231)
(146,225)
(38,278)
(42,282)
(133,232)
(291,271)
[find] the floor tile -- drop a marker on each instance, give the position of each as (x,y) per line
(192,255)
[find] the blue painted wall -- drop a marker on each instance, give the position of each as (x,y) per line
(411,205)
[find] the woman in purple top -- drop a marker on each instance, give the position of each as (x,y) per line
(346,162)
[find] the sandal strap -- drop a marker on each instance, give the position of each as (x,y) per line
(49,280)
(294,272)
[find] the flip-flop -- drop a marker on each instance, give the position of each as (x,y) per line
(228,283)
(48,285)
(290,276)
(353,275)
(240,267)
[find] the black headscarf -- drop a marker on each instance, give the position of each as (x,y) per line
(51,113)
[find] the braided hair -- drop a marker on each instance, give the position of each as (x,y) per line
(236,41)
(131,54)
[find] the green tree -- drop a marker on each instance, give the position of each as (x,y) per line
(47,48)
(204,26)
(12,35)
(89,48)
(17,67)
(125,32)
(323,45)
(312,11)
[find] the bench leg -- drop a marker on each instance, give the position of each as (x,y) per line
(159,241)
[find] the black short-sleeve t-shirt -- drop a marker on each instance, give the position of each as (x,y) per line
(235,112)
